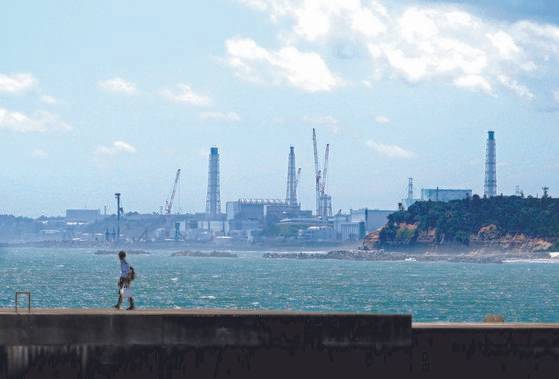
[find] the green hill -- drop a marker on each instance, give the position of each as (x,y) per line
(505,220)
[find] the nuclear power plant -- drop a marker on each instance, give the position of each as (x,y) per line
(490,187)
(254,220)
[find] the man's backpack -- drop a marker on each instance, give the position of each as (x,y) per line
(131,273)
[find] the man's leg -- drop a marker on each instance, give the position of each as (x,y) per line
(117,306)
(131,300)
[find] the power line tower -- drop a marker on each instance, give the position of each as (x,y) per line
(490,187)
(213,202)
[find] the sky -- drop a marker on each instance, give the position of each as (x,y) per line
(113,96)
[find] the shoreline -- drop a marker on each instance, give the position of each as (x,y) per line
(399,256)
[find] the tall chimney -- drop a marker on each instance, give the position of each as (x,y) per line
(291,193)
(490,188)
(213,203)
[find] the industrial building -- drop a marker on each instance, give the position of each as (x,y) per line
(245,216)
(441,194)
(244,220)
(257,210)
(355,225)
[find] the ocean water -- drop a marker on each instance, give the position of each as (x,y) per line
(77,278)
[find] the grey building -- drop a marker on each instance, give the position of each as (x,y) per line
(372,218)
(442,194)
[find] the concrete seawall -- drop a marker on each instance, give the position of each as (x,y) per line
(243,344)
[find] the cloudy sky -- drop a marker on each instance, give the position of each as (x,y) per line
(115,95)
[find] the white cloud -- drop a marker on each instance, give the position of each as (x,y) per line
(473,82)
(117,147)
(390,151)
(504,44)
(328,121)
(220,116)
(47,99)
(118,85)
(184,94)
(417,43)
(256,4)
(39,154)
(40,122)
(556,95)
(382,120)
(303,70)
(520,89)
(16,83)
(314,20)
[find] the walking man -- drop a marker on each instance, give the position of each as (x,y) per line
(127,275)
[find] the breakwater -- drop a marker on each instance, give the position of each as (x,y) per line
(242,344)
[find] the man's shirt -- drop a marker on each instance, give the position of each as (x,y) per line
(124,269)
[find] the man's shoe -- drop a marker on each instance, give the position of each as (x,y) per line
(116,306)
(131,308)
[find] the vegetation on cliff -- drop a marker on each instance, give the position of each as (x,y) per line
(479,219)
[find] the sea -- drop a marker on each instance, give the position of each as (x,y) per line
(521,291)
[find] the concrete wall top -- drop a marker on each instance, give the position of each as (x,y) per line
(202,328)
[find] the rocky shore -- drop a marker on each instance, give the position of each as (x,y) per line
(381,255)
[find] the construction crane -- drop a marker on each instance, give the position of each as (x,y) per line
(325,171)
(169,203)
(316,172)
(298,178)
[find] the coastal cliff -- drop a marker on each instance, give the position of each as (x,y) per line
(500,223)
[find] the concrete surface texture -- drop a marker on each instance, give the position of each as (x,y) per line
(248,344)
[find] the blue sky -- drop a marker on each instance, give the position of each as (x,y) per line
(110,96)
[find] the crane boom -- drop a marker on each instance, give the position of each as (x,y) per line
(169,205)
(325,171)
(316,171)
(315,152)
(298,178)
